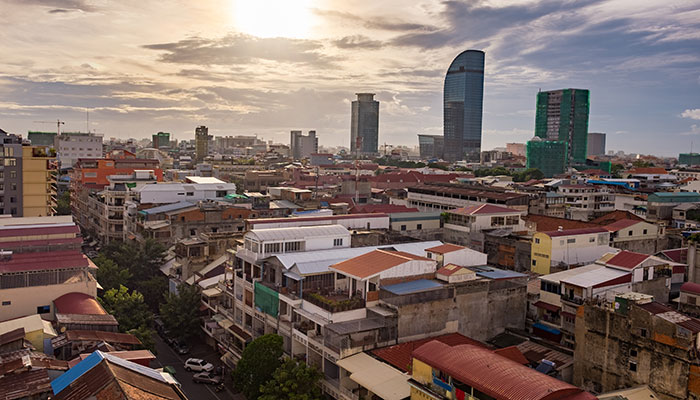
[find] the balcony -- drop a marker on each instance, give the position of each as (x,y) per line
(575,299)
(335,302)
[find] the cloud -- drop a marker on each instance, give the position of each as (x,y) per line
(692,114)
(241,49)
(59,6)
(376,23)
(357,41)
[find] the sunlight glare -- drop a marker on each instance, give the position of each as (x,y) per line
(273,18)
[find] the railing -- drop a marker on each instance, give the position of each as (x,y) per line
(336,390)
(575,300)
(334,306)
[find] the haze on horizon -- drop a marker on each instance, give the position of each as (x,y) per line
(269,66)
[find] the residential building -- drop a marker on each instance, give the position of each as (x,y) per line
(416,223)
(562,115)
(45,139)
(635,235)
(516,149)
(561,293)
(549,156)
(161,140)
(444,196)
(430,146)
(689,159)
(71,146)
(38,181)
(463,98)
(41,261)
(585,202)
(364,125)
(596,144)
(301,147)
(564,248)
(464,226)
(256,181)
(686,216)
(688,300)
(634,341)
(11,175)
(105,376)
(446,254)
(655,181)
(34,330)
(201,143)
(193,189)
(548,203)
(660,205)
(470,371)
(350,221)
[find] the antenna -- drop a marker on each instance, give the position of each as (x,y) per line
(87,119)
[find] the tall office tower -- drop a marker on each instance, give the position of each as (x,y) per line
(596,144)
(549,156)
(563,115)
(301,146)
(463,103)
(364,125)
(430,146)
(161,140)
(11,174)
(201,143)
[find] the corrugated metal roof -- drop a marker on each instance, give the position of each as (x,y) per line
(375,262)
(412,286)
(621,224)
(484,209)
(78,303)
(298,233)
(690,287)
(48,260)
(445,248)
(25,385)
(627,259)
(595,276)
(492,374)
(167,208)
(573,232)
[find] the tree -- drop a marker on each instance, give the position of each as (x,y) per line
(128,308)
(109,274)
(63,204)
(615,170)
(153,290)
(180,312)
(293,380)
(528,174)
(259,361)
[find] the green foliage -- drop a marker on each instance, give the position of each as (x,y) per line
(293,380)
(438,166)
(154,290)
(398,163)
(462,169)
(259,361)
(131,312)
(145,335)
(142,264)
(616,169)
(642,164)
(109,274)
(334,305)
(180,312)
(63,204)
(528,174)
(694,238)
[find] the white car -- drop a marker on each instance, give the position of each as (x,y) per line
(198,365)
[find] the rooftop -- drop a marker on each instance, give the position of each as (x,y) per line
(418,285)
(374,262)
(621,224)
(484,209)
(292,233)
(575,232)
(545,223)
(445,248)
(78,303)
(627,259)
(690,287)
(49,260)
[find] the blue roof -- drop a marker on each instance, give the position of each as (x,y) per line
(411,287)
(623,184)
(674,197)
(496,273)
(546,328)
(167,208)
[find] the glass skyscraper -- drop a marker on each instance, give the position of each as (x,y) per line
(463,103)
(364,125)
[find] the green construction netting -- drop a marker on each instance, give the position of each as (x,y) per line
(266,299)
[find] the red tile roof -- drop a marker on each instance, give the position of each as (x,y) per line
(677,255)
(690,287)
(573,232)
(484,209)
(621,224)
(648,170)
(513,353)
(545,223)
(400,355)
(494,375)
(374,262)
(445,248)
(49,260)
(627,259)
(78,303)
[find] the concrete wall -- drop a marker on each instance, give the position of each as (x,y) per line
(508,252)
(25,300)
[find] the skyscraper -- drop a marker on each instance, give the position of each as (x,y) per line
(596,144)
(301,146)
(549,156)
(364,125)
(463,103)
(201,143)
(563,115)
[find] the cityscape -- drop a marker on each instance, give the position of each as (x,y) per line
(276,204)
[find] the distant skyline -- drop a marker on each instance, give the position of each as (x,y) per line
(267,67)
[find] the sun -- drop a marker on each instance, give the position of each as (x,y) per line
(273,18)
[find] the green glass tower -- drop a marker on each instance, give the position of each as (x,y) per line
(562,115)
(549,156)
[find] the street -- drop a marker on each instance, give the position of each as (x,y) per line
(198,349)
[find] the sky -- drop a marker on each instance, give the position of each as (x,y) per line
(266,67)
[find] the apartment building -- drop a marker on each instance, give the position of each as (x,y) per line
(464,226)
(193,189)
(72,146)
(442,197)
(660,205)
(563,248)
(41,261)
(38,181)
(585,202)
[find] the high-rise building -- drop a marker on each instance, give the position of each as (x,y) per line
(596,144)
(161,140)
(562,115)
(38,181)
(463,103)
(364,125)
(516,149)
(11,174)
(549,156)
(430,146)
(689,159)
(301,146)
(201,143)
(71,146)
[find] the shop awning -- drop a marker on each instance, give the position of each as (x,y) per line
(376,376)
(547,306)
(211,292)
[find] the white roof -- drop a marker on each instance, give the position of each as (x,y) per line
(316,262)
(299,233)
(214,280)
(559,276)
(202,179)
(181,187)
(209,267)
(381,379)
(592,277)
(58,220)
(30,323)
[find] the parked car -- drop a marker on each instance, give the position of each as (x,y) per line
(207,377)
(198,365)
(180,347)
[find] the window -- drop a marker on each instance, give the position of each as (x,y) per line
(6,303)
(498,221)
(537,240)
(512,220)
(591,240)
(221,193)
(13,174)
(429,254)
(692,300)
(629,233)
(403,227)
(633,352)
(573,240)
(419,226)
(193,232)
(644,232)
(13,186)
(293,246)
(13,199)
(43,309)
(190,193)
(90,174)
(10,162)
(633,366)
(273,247)
(534,262)
(643,332)
(337,242)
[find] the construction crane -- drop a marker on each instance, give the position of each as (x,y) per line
(58,125)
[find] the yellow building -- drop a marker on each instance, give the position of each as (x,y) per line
(38,182)
(563,248)
(36,330)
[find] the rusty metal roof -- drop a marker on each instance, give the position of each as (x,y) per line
(25,384)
